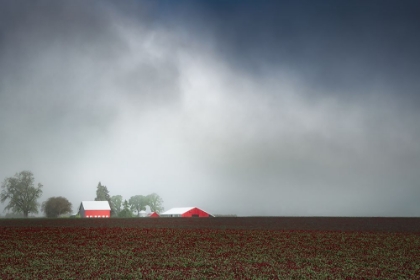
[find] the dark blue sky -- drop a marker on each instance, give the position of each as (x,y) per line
(244,107)
(331,44)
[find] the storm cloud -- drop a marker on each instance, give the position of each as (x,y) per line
(268,108)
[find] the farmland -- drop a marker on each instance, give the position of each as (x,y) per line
(219,248)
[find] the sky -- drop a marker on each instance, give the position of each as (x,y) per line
(253,108)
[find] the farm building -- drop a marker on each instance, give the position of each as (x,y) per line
(142,213)
(186,212)
(95,209)
(153,215)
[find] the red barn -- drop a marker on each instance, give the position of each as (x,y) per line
(95,209)
(154,215)
(186,212)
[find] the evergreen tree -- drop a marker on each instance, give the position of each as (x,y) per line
(102,194)
(126,212)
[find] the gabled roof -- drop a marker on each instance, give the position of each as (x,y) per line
(177,211)
(95,205)
(180,211)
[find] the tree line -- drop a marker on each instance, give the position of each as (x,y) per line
(22,196)
(129,208)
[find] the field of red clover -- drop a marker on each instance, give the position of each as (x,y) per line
(218,248)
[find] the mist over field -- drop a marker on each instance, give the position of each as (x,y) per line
(273,108)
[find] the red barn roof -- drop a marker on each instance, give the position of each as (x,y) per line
(153,215)
(186,212)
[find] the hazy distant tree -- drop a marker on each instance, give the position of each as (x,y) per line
(14,215)
(102,194)
(116,203)
(126,212)
(21,193)
(155,202)
(138,203)
(56,206)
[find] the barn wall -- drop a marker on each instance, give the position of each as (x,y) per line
(82,212)
(97,213)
